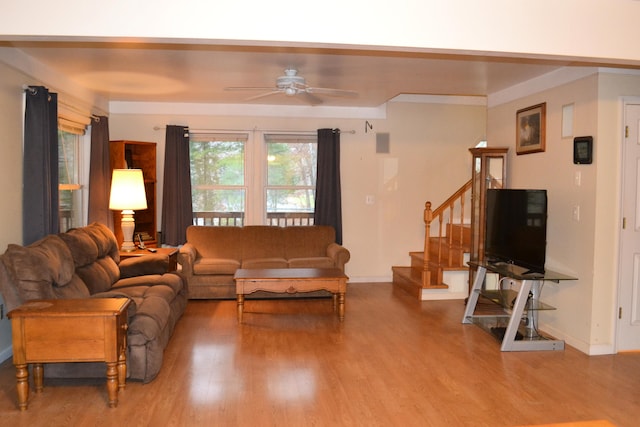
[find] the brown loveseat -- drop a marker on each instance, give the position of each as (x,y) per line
(85,263)
(212,255)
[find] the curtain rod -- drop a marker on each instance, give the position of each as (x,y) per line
(87,113)
(303,132)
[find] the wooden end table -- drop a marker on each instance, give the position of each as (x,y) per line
(292,280)
(171,253)
(70,330)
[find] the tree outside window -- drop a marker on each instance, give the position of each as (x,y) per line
(291,173)
(218,174)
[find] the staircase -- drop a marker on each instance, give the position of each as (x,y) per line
(440,271)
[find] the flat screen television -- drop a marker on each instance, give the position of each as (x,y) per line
(516,228)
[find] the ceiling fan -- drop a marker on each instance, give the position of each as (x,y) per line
(291,84)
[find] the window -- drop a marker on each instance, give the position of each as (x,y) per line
(69,187)
(73,165)
(241,178)
(291,179)
(218,188)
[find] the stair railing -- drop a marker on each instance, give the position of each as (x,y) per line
(452,211)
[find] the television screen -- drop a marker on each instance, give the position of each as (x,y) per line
(516,227)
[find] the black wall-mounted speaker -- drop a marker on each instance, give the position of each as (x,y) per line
(382,143)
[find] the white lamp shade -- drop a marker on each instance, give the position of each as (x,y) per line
(127,190)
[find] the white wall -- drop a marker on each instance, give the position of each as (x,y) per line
(576,28)
(429,159)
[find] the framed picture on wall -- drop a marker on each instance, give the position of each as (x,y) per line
(531,129)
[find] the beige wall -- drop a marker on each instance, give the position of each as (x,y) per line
(429,159)
(11,117)
(586,248)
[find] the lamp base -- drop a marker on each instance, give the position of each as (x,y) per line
(128,225)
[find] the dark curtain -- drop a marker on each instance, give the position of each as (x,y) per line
(100,173)
(328,210)
(40,215)
(177,212)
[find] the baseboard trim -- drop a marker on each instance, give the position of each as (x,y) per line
(6,353)
(441,294)
(580,345)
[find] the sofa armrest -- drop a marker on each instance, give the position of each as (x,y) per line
(143,265)
(186,258)
(339,254)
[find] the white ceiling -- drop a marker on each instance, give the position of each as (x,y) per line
(200,73)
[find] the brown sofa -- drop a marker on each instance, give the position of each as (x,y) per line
(211,255)
(85,263)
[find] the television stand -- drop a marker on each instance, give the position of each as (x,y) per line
(516,326)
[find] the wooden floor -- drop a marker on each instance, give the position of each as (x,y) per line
(395,361)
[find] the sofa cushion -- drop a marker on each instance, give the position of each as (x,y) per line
(311,262)
(74,289)
(31,278)
(216,242)
(265,263)
(308,241)
(100,275)
(104,240)
(83,248)
(143,265)
(262,241)
(38,266)
(170,280)
(152,314)
(215,266)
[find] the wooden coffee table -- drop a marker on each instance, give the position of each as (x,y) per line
(70,330)
(292,280)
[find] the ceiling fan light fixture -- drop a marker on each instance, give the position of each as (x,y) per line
(290,91)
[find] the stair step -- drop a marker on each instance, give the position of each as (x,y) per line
(402,281)
(411,280)
(417,261)
(417,269)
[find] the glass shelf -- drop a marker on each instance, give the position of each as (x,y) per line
(507,299)
(520,273)
(497,325)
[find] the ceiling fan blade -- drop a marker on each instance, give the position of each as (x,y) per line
(263,95)
(250,88)
(308,98)
(332,92)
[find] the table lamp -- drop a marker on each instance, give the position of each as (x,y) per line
(127,195)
